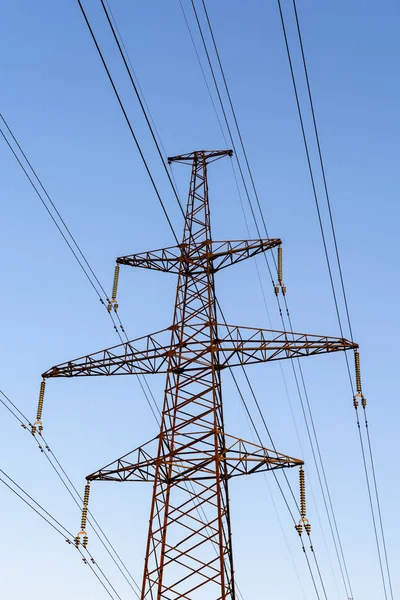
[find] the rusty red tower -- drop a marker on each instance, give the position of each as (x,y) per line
(189,545)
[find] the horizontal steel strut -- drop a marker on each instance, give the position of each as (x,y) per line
(236,346)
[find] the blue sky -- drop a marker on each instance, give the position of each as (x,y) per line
(57,100)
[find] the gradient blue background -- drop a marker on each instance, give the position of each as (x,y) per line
(57,100)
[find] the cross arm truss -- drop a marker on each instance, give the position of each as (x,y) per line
(187,463)
(207,155)
(248,345)
(222,254)
(236,346)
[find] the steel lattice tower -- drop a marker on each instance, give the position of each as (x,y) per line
(189,545)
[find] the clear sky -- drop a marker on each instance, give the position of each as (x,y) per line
(58,102)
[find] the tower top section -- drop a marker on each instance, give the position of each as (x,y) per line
(204,155)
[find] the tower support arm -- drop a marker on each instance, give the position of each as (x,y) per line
(188,464)
(236,346)
(137,465)
(246,345)
(220,254)
(225,254)
(164,259)
(145,355)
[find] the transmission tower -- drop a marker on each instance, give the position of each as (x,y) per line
(190,462)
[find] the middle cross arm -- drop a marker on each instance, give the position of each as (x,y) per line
(187,463)
(234,346)
(221,254)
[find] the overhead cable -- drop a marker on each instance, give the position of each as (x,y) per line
(241,172)
(327,196)
(128,121)
(340,273)
(56,525)
(71,242)
(141,103)
(67,483)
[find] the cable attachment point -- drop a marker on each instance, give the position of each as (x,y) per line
(359,395)
(280,283)
(77,539)
(113,302)
(37,426)
(299,529)
(82,532)
(303,520)
(356,399)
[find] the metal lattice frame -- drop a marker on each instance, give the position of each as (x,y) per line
(192,459)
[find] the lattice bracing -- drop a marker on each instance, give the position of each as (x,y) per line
(219,254)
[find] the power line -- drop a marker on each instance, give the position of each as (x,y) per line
(113,30)
(225,116)
(51,202)
(311,173)
(92,521)
(68,485)
(143,98)
(71,242)
(89,272)
(127,120)
(248,166)
(47,209)
(65,533)
(321,162)
(50,520)
(203,73)
(234,117)
(340,271)
(337,255)
(135,77)
(15,411)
